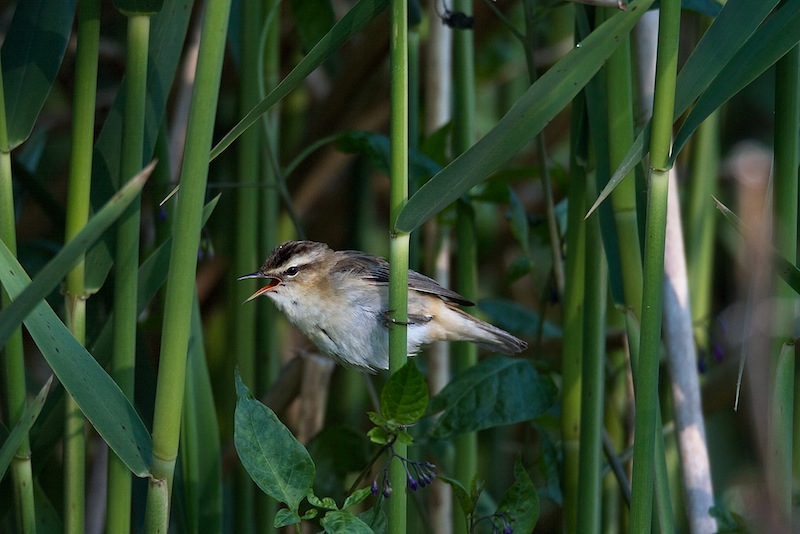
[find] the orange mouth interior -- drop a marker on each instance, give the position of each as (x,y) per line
(273,283)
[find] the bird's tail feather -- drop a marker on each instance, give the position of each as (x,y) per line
(490,337)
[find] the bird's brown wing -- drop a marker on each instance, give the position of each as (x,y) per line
(376,269)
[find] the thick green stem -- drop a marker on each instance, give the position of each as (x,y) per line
(14,356)
(183,263)
(646,376)
(399,243)
(126,284)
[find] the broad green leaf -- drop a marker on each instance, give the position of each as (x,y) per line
(56,269)
(167,36)
(344,522)
(769,43)
(273,457)
(529,115)
(139,7)
(731,29)
(285,517)
(18,433)
(355,20)
(97,395)
(33,48)
(497,391)
(404,398)
(520,502)
(520,228)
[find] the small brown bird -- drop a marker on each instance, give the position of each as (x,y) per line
(339,300)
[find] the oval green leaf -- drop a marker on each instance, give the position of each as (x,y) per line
(344,522)
(497,391)
(273,457)
(404,398)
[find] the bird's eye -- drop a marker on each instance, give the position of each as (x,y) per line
(292,271)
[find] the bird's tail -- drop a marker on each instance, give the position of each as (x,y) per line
(488,336)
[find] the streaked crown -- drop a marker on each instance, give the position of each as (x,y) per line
(293,254)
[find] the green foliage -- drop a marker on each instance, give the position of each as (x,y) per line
(273,457)
(33,48)
(99,397)
(534,109)
(497,391)
(20,431)
(404,400)
(55,271)
(313,18)
(355,20)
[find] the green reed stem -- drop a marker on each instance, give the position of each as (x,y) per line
(572,351)
(126,284)
(183,263)
(398,243)
(592,376)
(646,376)
(14,356)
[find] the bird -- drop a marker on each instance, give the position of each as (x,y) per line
(340,301)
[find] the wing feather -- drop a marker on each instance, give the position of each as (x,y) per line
(376,269)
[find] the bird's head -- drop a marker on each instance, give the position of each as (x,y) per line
(295,270)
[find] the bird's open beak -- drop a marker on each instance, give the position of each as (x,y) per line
(273,283)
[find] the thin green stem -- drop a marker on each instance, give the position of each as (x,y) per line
(268,339)
(464,355)
(246,250)
(126,284)
(573,324)
(183,263)
(398,243)
(14,356)
(593,378)
(646,376)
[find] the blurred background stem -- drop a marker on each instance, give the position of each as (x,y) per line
(465,355)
